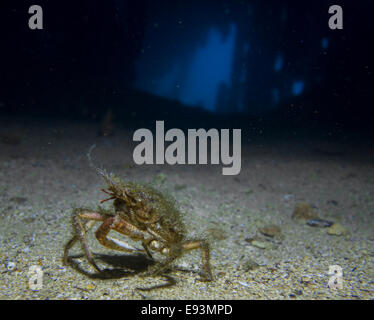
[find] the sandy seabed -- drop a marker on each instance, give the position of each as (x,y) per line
(44,172)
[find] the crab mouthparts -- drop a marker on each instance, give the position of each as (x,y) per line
(112,196)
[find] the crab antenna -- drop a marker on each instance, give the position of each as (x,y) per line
(89,156)
(102,172)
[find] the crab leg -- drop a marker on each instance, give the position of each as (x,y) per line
(161,266)
(205,250)
(81,229)
(73,240)
(112,243)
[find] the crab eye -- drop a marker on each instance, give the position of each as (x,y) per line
(154,244)
(128,196)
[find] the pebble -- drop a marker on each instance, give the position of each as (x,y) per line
(305,280)
(303,211)
(250,265)
(10,266)
(288,197)
(270,231)
(90,287)
(333,202)
(18,200)
(337,230)
(319,223)
(244,284)
(261,244)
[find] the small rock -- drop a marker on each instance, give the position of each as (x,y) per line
(337,230)
(303,211)
(319,223)
(107,124)
(270,231)
(261,244)
(10,266)
(305,280)
(90,287)
(244,284)
(333,202)
(250,265)
(18,200)
(288,197)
